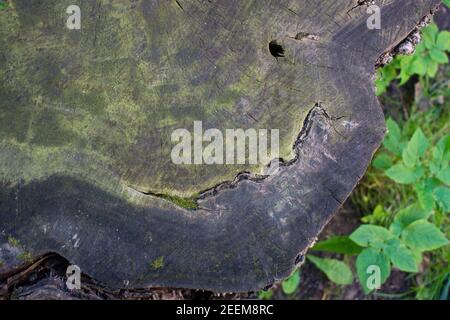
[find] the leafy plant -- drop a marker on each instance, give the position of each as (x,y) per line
(338,244)
(291,284)
(409,163)
(265,294)
(403,241)
(3,5)
(400,246)
(337,271)
(429,54)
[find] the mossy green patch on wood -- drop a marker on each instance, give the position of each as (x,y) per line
(13,242)
(25,257)
(186,203)
(122,84)
(157,263)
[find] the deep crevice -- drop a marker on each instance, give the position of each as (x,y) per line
(276,49)
(192,203)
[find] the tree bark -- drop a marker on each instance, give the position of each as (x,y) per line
(86,118)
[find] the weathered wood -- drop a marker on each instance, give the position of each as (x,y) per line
(86,118)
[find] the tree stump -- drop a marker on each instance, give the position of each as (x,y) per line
(86,118)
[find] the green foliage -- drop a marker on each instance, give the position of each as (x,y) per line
(337,271)
(3,5)
(378,216)
(372,257)
(338,244)
(265,294)
(291,284)
(410,160)
(386,75)
(370,235)
(428,172)
(402,245)
(429,54)
(423,236)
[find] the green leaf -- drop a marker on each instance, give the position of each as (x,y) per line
(442,197)
(400,256)
(439,164)
(265,295)
(443,40)
(366,261)
(393,141)
(338,244)
(432,68)
(291,284)
(404,175)
(370,235)
(384,77)
(378,215)
(424,192)
(382,161)
(429,35)
(446,2)
(335,270)
(438,56)
(418,256)
(441,153)
(419,66)
(444,176)
(424,236)
(415,148)
(407,216)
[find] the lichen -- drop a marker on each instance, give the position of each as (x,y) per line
(157,263)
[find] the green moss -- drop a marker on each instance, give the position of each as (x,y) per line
(25,257)
(158,263)
(186,203)
(112,104)
(13,242)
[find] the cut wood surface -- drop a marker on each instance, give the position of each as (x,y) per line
(86,118)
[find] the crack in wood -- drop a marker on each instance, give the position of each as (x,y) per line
(246,175)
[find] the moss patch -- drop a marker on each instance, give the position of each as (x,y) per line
(157,263)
